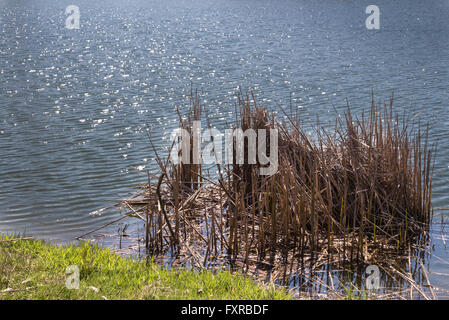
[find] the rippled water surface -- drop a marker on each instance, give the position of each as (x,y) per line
(75,104)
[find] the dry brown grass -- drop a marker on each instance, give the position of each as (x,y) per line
(360,193)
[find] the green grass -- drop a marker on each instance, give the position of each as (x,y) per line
(31,269)
(354,293)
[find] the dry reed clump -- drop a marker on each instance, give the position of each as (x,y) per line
(358,194)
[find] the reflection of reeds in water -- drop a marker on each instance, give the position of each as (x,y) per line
(358,194)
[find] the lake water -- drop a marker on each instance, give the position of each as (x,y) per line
(75,104)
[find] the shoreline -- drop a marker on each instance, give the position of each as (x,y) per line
(34,270)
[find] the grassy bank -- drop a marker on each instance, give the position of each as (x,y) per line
(31,269)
